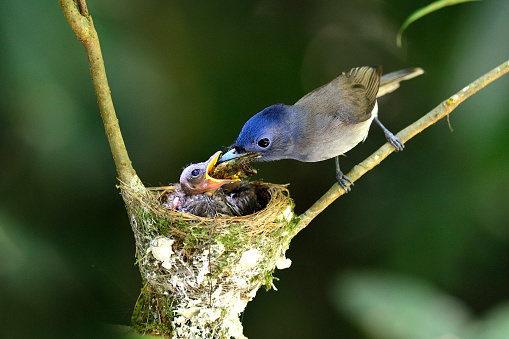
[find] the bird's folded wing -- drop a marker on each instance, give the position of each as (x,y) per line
(350,97)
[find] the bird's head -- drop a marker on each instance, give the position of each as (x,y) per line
(267,133)
(196,179)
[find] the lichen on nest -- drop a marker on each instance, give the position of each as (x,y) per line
(199,273)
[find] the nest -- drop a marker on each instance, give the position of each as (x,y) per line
(199,273)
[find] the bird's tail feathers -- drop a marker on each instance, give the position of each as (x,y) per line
(390,82)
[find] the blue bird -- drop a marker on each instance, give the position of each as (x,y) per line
(325,123)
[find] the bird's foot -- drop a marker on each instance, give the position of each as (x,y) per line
(343,181)
(394,140)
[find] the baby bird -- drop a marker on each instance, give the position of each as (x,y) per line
(242,198)
(202,195)
(325,123)
(195,178)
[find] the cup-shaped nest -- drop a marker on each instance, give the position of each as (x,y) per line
(199,273)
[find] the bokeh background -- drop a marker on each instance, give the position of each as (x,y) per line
(418,249)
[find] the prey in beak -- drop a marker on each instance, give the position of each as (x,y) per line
(196,179)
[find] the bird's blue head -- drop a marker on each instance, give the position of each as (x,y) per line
(267,133)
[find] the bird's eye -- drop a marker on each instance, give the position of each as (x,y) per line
(195,172)
(264,142)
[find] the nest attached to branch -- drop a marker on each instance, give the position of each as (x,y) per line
(199,273)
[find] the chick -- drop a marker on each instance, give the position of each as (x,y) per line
(201,194)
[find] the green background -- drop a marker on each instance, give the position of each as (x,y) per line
(418,249)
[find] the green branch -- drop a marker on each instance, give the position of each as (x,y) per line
(439,112)
(83,26)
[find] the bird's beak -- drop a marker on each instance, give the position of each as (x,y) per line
(212,184)
(231,154)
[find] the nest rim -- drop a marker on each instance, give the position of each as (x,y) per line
(279,210)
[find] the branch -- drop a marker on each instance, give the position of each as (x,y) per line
(442,110)
(82,5)
(83,26)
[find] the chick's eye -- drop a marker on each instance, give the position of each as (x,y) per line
(264,143)
(195,172)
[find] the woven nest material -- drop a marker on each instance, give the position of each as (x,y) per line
(199,273)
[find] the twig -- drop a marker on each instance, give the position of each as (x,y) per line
(83,27)
(439,112)
(82,5)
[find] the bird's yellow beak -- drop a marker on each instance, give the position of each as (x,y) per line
(212,184)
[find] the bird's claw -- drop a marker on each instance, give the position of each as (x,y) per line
(394,140)
(343,181)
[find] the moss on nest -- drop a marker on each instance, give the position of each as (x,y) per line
(199,273)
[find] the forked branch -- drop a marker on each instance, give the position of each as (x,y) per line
(83,26)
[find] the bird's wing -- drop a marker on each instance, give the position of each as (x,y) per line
(350,97)
(363,86)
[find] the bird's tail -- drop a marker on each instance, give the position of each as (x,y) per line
(390,82)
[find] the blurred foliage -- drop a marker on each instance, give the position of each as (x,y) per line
(393,306)
(421,12)
(185,76)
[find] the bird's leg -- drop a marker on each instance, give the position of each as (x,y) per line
(342,179)
(394,140)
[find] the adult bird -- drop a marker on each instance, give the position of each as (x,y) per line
(325,123)
(200,194)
